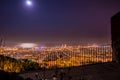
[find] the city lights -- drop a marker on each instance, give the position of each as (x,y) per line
(27,45)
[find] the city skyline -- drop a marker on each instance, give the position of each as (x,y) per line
(56,22)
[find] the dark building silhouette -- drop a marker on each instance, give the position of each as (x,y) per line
(115,31)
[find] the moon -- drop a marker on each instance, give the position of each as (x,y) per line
(29,3)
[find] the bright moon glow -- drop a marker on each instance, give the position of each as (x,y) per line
(27,45)
(29,2)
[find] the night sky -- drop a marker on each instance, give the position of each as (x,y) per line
(56,21)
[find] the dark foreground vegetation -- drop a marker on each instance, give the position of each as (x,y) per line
(11,76)
(8,64)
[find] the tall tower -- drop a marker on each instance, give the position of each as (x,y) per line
(115,32)
(2,41)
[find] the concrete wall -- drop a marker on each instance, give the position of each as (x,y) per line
(115,32)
